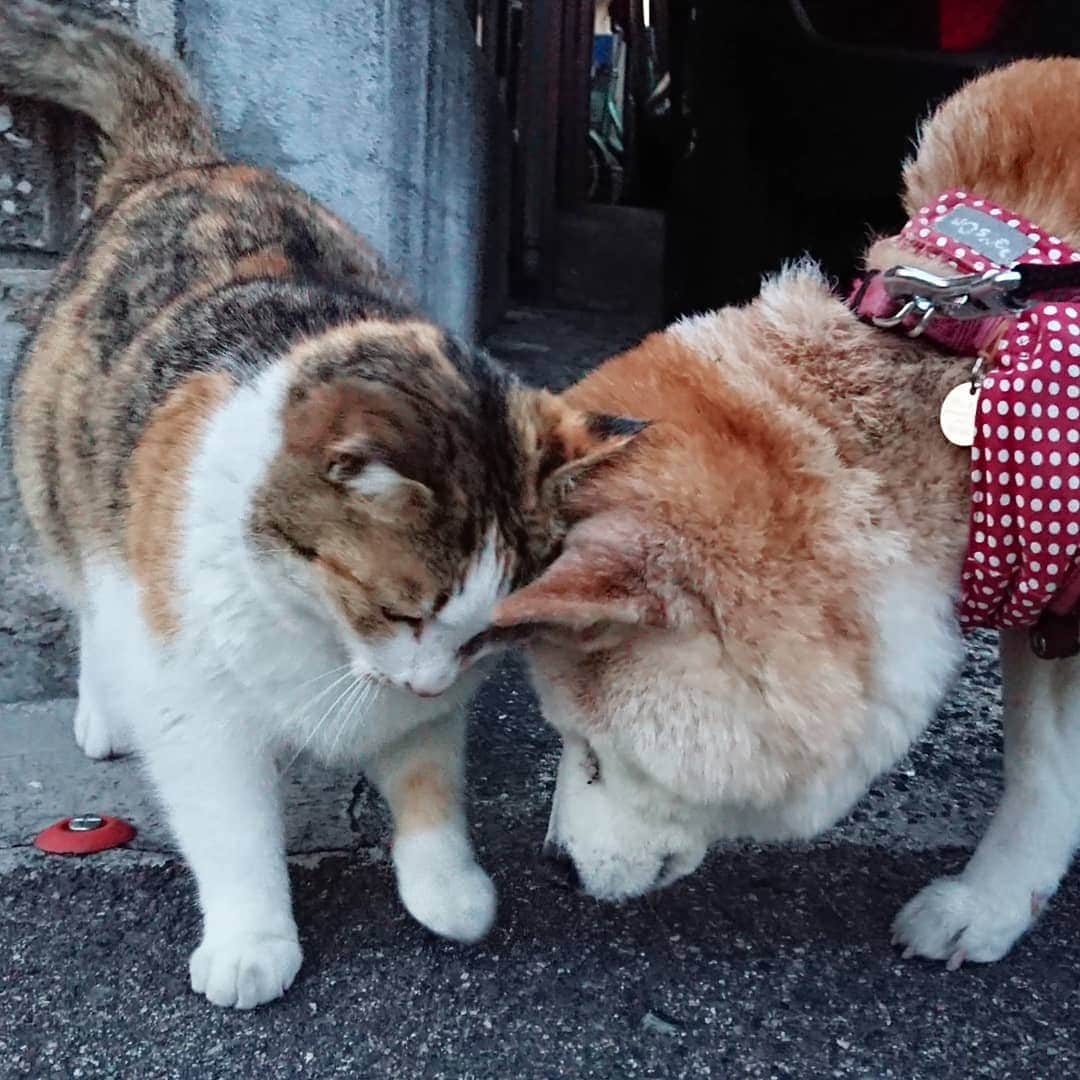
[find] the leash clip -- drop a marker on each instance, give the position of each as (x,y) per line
(925,295)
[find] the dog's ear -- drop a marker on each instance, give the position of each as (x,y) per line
(569,443)
(599,578)
(585,441)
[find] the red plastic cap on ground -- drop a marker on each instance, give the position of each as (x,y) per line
(62,839)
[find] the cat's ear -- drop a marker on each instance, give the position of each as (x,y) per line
(571,442)
(352,464)
(598,582)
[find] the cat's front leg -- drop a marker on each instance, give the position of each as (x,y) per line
(221,791)
(100,728)
(440,883)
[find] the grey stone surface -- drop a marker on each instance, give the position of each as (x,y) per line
(44,777)
(607,297)
(48,162)
(47,159)
(30,216)
(36,647)
(386,113)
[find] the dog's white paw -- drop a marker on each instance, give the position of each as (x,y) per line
(245,970)
(954,921)
(96,736)
(442,886)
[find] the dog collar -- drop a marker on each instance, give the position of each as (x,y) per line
(1007,264)
(1016,304)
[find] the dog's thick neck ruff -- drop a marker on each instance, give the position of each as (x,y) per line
(1020,568)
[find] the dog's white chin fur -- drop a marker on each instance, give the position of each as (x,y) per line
(625,834)
(647,815)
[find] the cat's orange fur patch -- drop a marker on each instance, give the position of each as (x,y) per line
(160,468)
(423,798)
(270,263)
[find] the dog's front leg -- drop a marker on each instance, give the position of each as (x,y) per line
(1031,839)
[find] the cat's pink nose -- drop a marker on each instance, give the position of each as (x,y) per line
(423,692)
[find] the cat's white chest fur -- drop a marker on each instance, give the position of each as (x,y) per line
(264,652)
(252,677)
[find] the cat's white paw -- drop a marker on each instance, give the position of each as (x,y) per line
(442,886)
(953,920)
(96,736)
(245,970)
(459,905)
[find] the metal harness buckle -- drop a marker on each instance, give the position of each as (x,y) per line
(926,295)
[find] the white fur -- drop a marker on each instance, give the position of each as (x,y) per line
(99,728)
(428,664)
(1030,842)
(439,881)
(377,479)
(630,830)
(627,831)
(441,886)
(261,668)
(919,650)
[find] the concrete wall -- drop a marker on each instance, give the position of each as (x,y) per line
(384,110)
(381,109)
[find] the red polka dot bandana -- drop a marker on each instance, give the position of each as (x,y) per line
(1025,461)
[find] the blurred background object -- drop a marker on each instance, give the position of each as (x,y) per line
(759,130)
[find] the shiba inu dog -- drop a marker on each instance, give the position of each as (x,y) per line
(756,611)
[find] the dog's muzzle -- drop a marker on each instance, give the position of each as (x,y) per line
(561,868)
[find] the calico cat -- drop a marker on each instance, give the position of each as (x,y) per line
(281,503)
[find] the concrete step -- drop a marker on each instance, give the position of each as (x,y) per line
(44,777)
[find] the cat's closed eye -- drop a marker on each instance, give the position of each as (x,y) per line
(396,616)
(308,554)
(491,639)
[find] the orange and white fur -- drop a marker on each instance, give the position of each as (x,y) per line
(281,503)
(754,615)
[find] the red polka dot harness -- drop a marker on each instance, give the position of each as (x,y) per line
(1025,473)
(1025,460)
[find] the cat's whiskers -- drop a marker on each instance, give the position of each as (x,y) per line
(323,675)
(361,701)
(346,715)
(322,694)
(351,683)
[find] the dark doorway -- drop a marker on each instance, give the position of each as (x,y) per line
(669,153)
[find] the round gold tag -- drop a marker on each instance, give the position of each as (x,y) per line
(957,416)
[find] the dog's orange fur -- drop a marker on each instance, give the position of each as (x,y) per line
(794,460)
(743,512)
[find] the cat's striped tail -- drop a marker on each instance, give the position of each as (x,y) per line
(151,122)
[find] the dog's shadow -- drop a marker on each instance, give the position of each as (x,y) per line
(757,900)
